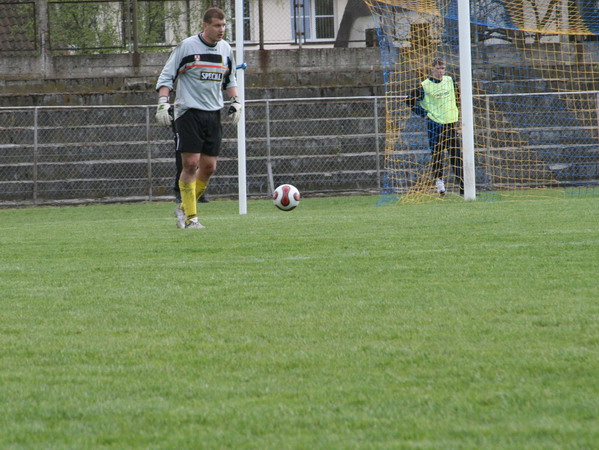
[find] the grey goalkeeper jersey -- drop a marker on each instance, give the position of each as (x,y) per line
(201,71)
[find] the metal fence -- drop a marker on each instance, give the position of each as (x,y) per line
(130,26)
(52,155)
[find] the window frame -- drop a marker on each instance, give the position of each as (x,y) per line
(305,14)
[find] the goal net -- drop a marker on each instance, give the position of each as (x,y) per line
(535,85)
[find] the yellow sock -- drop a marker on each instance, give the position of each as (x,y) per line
(200,188)
(188,198)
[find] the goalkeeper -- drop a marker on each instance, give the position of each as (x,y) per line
(203,66)
(436,99)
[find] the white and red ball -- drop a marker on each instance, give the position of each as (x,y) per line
(286,197)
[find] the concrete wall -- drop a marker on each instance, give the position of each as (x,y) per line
(35,81)
(293,73)
(323,60)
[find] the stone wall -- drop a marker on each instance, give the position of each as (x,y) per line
(125,79)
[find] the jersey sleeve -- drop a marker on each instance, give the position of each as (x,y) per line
(169,71)
(230,79)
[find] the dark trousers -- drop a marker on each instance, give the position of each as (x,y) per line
(445,137)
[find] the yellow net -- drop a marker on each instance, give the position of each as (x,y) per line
(535,71)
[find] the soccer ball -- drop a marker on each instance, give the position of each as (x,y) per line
(286,197)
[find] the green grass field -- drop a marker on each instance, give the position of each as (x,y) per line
(341,324)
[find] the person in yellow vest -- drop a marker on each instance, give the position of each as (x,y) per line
(436,99)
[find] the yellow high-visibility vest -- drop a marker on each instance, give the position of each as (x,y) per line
(439,100)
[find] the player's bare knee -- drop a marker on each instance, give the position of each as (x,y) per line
(207,169)
(190,169)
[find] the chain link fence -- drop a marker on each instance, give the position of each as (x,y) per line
(132,26)
(52,155)
(18,27)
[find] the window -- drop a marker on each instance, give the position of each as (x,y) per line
(312,19)
(247,32)
(300,19)
(324,19)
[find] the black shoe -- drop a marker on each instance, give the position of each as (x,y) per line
(203,199)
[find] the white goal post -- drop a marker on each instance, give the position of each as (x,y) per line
(466,100)
(241,157)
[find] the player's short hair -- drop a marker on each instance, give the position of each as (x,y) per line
(438,62)
(214,13)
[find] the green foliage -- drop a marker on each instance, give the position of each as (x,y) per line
(17,30)
(105,26)
(340,324)
(90,26)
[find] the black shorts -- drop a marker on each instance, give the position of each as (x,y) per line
(199,132)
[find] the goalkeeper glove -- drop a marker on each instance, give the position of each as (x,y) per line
(235,110)
(162,116)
